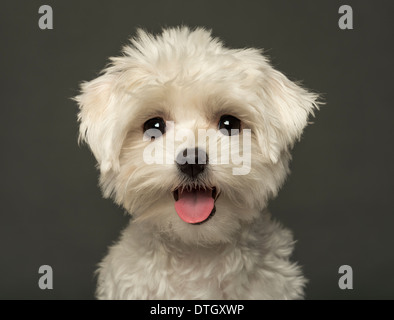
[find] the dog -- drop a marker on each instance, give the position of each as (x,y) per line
(199,229)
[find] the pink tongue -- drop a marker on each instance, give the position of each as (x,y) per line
(194,206)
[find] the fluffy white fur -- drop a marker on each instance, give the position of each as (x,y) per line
(189,77)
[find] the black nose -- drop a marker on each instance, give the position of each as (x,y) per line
(192,161)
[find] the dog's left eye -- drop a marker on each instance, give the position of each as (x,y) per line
(154,128)
(229,125)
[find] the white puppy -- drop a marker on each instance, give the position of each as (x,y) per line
(199,228)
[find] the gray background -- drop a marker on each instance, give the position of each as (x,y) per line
(338,199)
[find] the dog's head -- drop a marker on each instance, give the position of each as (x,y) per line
(192,137)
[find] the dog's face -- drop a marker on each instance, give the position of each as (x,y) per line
(190,137)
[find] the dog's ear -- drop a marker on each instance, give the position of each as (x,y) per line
(99,122)
(284,107)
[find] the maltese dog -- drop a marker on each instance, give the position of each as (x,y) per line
(193,139)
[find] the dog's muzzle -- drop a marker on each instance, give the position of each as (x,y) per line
(192,162)
(194,205)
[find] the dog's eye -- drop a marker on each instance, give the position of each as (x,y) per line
(229,125)
(154,128)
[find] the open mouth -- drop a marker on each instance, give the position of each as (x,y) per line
(195,205)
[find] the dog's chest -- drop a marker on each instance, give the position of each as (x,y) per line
(198,273)
(137,268)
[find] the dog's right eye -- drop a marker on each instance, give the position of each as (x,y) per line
(154,128)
